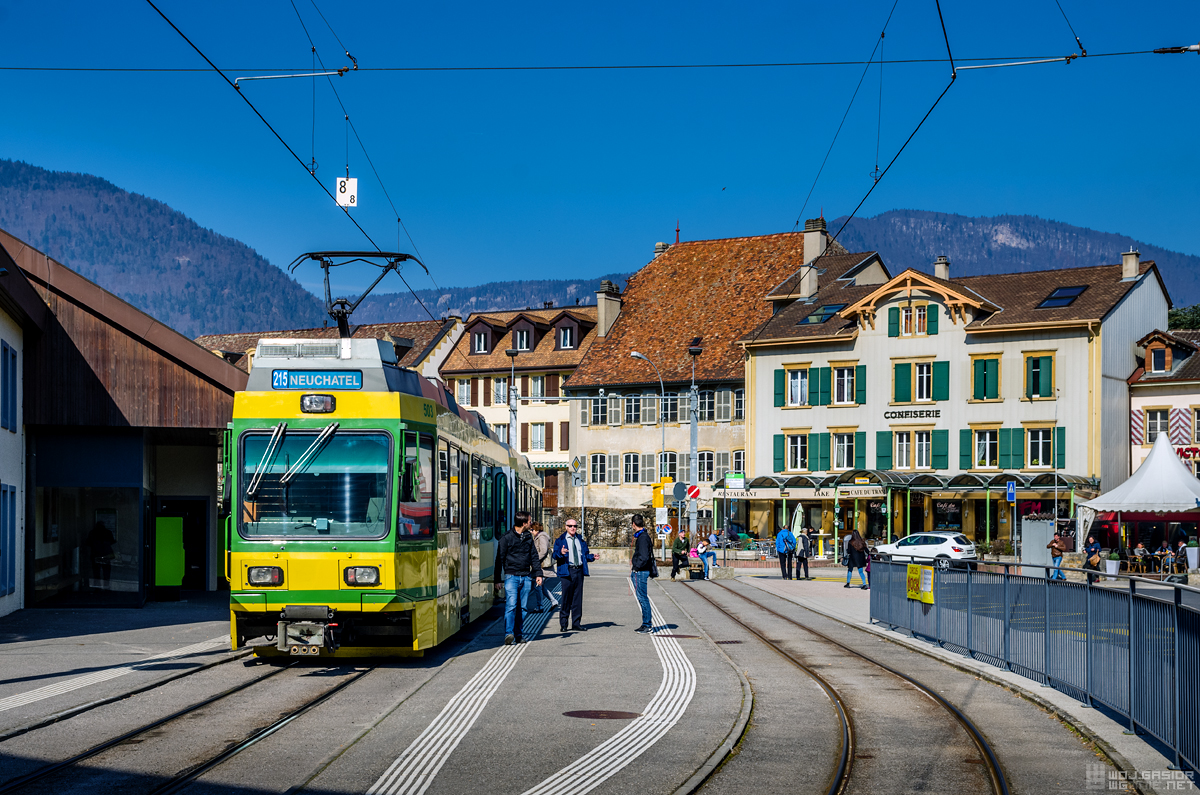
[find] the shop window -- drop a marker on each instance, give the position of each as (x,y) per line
(1041,448)
(87,545)
(797,451)
(1156,423)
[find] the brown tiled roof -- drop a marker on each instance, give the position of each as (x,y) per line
(829,267)
(542,357)
(712,289)
(423,333)
(1015,294)
(1185,364)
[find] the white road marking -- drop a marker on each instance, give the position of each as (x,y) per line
(415,769)
(59,688)
(664,711)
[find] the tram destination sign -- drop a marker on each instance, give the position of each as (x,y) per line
(316,379)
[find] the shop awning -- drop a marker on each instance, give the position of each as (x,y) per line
(1162,484)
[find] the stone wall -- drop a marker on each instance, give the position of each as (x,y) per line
(602,527)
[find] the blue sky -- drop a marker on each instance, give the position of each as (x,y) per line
(556,174)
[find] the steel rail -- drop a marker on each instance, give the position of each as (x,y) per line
(187,777)
(47,770)
(995,772)
(841,776)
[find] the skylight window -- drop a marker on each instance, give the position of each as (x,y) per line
(824,313)
(1062,296)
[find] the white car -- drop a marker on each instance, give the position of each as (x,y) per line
(943,547)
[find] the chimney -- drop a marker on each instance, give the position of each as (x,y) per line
(941,268)
(815,239)
(1130,262)
(659,248)
(608,306)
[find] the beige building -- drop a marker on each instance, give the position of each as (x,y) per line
(547,345)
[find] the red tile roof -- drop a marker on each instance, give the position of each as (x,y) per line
(543,356)
(712,289)
(423,333)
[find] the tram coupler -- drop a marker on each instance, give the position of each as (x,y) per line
(305,629)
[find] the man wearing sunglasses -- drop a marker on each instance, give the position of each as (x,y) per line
(572,556)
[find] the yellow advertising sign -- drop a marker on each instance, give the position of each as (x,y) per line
(920,583)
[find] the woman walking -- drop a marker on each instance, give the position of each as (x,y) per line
(856,558)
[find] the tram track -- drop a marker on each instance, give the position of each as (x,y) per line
(990,761)
(185,777)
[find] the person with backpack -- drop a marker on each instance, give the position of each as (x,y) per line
(785,546)
(856,558)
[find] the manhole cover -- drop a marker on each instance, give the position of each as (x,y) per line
(728,641)
(602,714)
(662,635)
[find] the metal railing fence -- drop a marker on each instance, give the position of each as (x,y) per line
(1113,647)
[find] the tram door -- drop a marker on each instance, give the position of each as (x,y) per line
(464,534)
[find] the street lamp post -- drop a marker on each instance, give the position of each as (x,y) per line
(662,400)
(512,396)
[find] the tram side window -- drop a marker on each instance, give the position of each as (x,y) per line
(416,486)
(501,504)
(476,494)
(455,490)
(443,496)
(486,508)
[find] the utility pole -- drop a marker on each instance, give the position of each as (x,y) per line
(694,350)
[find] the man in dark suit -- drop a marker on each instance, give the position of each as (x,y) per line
(572,557)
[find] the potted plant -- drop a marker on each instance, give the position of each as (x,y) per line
(1113,565)
(1193,554)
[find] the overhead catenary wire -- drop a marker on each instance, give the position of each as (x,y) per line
(279,138)
(1082,51)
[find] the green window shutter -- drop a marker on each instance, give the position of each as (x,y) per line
(991,374)
(1060,447)
(1005,435)
(941,449)
(1046,383)
(860,449)
(883,450)
(780,378)
(931,319)
(779,443)
(814,452)
(979,391)
(860,384)
(824,373)
(903,389)
(814,387)
(824,462)
(941,380)
(1029,385)
(964,449)
(1018,448)
(894,321)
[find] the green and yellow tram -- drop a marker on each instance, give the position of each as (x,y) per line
(366,505)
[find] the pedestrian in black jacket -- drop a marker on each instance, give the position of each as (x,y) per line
(642,565)
(517,565)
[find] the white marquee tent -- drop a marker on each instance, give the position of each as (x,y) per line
(1162,484)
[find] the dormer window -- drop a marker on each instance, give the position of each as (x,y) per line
(480,342)
(566,337)
(1158,360)
(521,339)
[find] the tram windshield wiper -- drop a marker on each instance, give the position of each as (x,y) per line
(273,445)
(308,455)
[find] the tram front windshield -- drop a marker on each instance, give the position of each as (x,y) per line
(311,486)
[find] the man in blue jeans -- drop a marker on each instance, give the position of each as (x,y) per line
(641,566)
(1057,547)
(517,562)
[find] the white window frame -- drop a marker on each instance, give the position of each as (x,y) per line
(537,388)
(464,392)
(1044,441)
(1154,354)
(480,342)
(599,411)
(501,432)
(1155,427)
(903,453)
(633,409)
(537,436)
(668,465)
(921,317)
(566,338)
(633,467)
(797,387)
(843,386)
(924,449)
(987,449)
(706,463)
(521,339)
(738,463)
(500,390)
(843,451)
(739,404)
(923,375)
(598,466)
(724,405)
(671,407)
(906,321)
(797,452)
(707,401)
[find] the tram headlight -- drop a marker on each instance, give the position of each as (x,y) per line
(362,575)
(317,404)
(264,575)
